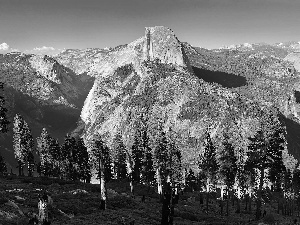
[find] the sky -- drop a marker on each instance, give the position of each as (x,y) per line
(52,25)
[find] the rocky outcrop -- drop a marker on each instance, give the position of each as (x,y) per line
(294,57)
(152,77)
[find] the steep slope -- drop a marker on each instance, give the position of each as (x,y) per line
(271,78)
(152,77)
(44,92)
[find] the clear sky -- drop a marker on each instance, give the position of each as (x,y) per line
(29,24)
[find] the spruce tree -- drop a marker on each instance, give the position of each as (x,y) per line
(55,152)
(161,161)
(120,162)
(28,143)
(3,127)
(137,156)
(208,164)
(68,154)
(97,159)
(3,117)
(19,143)
(43,148)
(265,152)
(228,167)
(84,166)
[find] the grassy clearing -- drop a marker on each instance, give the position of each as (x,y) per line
(83,208)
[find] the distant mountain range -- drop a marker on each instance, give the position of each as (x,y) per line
(188,90)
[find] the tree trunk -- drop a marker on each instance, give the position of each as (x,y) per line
(102,185)
(250,202)
(207,193)
(238,210)
(259,194)
(159,182)
(130,172)
(20,168)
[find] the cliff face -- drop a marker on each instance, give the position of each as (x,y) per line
(152,77)
(44,92)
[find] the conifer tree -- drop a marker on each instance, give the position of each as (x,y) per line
(84,166)
(31,163)
(120,162)
(208,164)
(56,156)
(137,156)
(161,161)
(68,154)
(28,143)
(3,128)
(228,167)
(43,148)
(265,149)
(19,143)
(147,170)
(3,118)
(97,159)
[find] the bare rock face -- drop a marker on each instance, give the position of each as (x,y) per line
(152,77)
(294,57)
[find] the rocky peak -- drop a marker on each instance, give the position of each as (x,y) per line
(161,43)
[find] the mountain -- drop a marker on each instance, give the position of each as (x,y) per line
(265,73)
(46,93)
(187,91)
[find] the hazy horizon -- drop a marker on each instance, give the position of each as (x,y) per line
(44,25)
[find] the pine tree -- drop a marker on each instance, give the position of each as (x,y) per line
(137,156)
(98,163)
(161,161)
(3,118)
(28,143)
(208,164)
(3,128)
(120,162)
(68,154)
(228,167)
(19,143)
(55,152)
(84,166)
(43,148)
(265,149)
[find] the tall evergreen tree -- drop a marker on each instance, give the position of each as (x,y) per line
(43,148)
(161,161)
(3,127)
(84,166)
(55,152)
(28,143)
(208,164)
(228,167)
(137,156)
(19,143)
(98,163)
(120,161)
(3,118)
(265,149)
(68,154)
